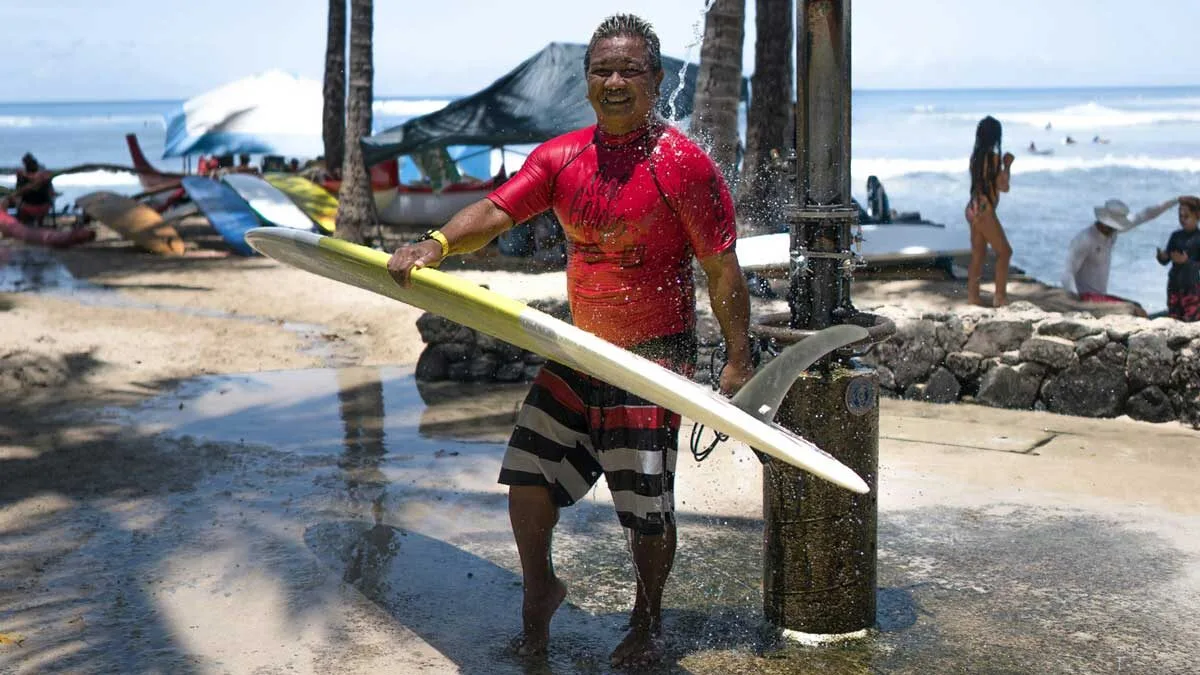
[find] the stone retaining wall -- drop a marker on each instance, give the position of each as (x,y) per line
(1016,357)
(1021,357)
(455,352)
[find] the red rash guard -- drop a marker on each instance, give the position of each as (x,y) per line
(635,209)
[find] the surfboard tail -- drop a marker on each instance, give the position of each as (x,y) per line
(762,396)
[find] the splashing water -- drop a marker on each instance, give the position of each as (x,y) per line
(698,35)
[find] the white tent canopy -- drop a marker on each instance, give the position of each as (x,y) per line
(272,113)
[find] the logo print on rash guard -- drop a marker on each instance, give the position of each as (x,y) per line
(591,208)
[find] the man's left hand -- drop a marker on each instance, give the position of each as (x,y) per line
(1179,257)
(734,375)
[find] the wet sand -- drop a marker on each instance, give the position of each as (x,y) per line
(214,464)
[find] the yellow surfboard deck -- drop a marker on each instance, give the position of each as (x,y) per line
(134,221)
(313,200)
(514,322)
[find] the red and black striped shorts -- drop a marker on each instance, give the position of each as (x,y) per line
(573,427)
(1184,306)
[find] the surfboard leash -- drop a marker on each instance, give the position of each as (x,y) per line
(757,347)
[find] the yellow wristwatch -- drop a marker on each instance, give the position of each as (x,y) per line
(440,238)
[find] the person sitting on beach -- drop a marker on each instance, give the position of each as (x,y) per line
(1183,253)
(878,208)
(638,200)
(244,165)
(1089,255)
(990,169)
(35,204)
(205,165)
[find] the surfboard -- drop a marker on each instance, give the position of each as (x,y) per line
(313,199)
(881,244)
(228,213)
(528,328)
(134,221)
(271,205)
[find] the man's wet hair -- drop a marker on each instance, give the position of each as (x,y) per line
(627,25)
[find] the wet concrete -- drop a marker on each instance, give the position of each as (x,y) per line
(349,521)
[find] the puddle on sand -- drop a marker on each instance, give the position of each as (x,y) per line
(25,269)
(310,411)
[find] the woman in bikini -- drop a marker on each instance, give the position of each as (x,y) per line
(989,177)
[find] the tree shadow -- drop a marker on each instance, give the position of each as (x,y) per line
(78,573)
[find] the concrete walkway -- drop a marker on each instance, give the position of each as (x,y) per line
(349,522)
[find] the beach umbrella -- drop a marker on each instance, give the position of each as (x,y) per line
(272,113)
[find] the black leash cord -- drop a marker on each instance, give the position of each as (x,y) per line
(756,350)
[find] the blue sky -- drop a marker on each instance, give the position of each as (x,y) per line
(138,49)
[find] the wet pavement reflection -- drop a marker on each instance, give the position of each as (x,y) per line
(348,520)
(25,269)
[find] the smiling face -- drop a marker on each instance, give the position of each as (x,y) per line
(622,86)
(1188,217)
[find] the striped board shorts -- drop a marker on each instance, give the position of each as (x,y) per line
(573,427)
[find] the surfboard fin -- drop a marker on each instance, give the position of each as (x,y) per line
(763,394)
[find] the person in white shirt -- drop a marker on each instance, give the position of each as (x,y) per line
(1089,256)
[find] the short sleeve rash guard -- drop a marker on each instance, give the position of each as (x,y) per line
(635,210)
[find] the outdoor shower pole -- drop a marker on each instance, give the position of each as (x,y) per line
(819,539)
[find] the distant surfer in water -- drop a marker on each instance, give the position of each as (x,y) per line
(989,177)
(637,200)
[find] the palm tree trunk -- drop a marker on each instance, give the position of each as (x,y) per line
(356,205)
(719,84)
(768,121)
(333,122)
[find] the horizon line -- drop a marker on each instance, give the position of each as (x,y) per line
(437,96)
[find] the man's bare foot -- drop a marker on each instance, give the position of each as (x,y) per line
(536,613)
(1000,302)
(642,646)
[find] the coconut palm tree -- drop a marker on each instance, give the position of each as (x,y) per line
(719,83)
(356,204)
(333,121)
(768,121)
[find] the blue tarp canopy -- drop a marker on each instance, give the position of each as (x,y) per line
(544,97)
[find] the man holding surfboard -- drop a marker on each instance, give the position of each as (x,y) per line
(637,201)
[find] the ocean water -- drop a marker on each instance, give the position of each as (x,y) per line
(917,142)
